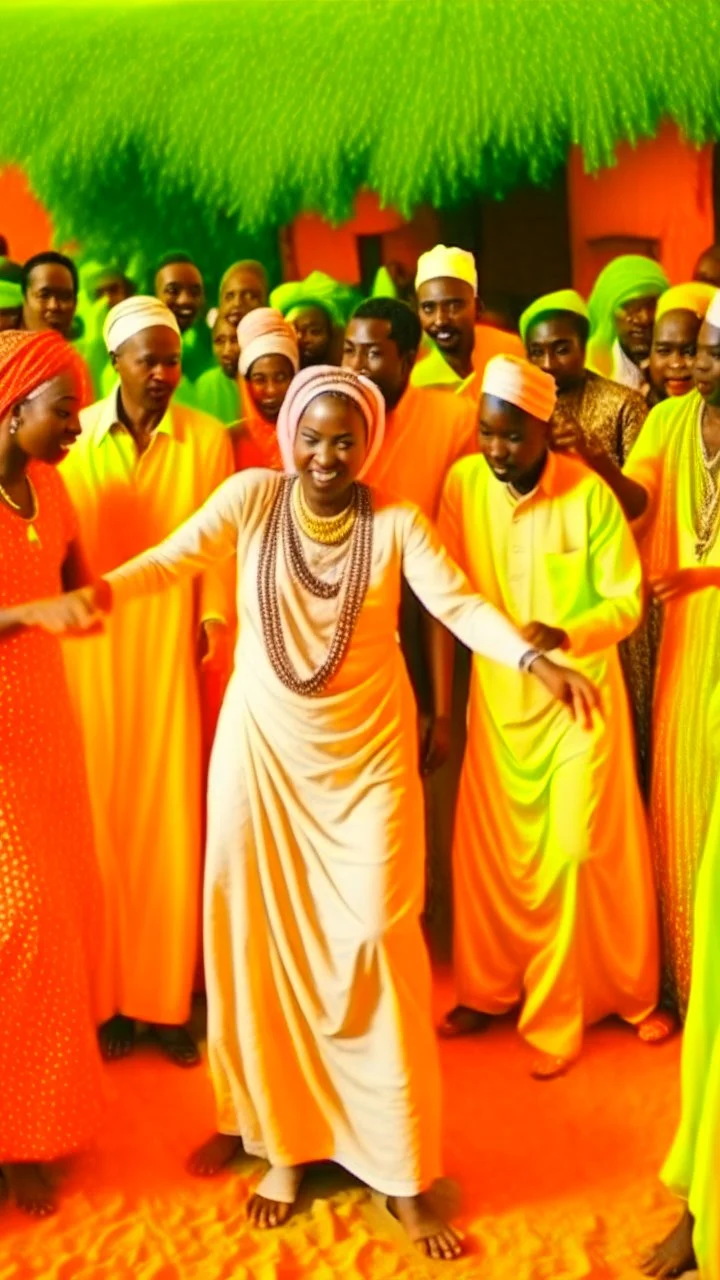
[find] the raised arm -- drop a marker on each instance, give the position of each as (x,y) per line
(208,537)
(446,593)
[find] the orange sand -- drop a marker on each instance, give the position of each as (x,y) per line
(557,1180)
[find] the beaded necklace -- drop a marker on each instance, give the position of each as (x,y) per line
(707,514)
(329,530)
(280,532)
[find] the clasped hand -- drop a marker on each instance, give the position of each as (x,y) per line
(75,613)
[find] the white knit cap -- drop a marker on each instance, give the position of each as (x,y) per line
(132,316)
(447,262)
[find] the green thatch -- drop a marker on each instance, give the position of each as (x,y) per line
(209,124)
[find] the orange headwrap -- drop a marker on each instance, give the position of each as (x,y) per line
(29,359)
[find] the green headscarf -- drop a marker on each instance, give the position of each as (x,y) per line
(318,290)
(625,278)
(549,303)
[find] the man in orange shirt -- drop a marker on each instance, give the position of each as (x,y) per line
(446,284)
(426,432)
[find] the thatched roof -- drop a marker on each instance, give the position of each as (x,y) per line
(185,124)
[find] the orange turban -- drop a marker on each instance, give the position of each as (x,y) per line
(27,360)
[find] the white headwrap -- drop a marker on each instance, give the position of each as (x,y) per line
(132,316)
(712,315)
(520,383)
(447,262)
(266,332)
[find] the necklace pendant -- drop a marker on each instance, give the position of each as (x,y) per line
(33,535)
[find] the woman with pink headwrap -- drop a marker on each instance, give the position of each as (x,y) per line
(269,359)
(320,1038)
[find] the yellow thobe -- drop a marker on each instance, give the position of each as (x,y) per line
(668,461)
(136,691)
(553,888)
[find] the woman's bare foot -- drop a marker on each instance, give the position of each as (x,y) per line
(548,1066)
(675,1255)
(425,1227)
(275,1197)
(214,1155)
(116,1037)
(462,1021)
(177,1044)
(29,1189)
(658,1027)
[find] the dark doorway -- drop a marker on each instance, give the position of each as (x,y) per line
(521,243)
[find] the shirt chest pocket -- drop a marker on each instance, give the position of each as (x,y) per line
(568,584)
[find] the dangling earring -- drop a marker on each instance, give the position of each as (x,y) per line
(14,426)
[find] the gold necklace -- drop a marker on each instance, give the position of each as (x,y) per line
(32,533)
(328,530)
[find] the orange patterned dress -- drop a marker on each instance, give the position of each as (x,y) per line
(49,887)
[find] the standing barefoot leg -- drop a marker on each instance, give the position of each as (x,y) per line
(675,1255)
(219,1150)
(29,1189)
(274,1199)
(425,1227)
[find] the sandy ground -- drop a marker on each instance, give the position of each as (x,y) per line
(552,1181)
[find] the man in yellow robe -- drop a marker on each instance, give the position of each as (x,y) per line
(554,895)
(142,466)
(446,284)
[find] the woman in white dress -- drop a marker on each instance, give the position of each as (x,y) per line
(320,1037)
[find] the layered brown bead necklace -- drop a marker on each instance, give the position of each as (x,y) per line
(280,532)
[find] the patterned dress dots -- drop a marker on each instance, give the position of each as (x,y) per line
(49,889)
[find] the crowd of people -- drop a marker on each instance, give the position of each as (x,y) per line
(304,500)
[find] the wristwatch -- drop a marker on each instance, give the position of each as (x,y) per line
(528,658)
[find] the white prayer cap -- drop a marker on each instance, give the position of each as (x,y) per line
(520,383)
(712,315)
(450,262)
(132,316)
(265,332)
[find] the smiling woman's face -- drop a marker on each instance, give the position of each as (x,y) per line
(330,448)
(47,426)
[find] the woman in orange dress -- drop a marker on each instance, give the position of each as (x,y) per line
(269,359)
(49,893)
